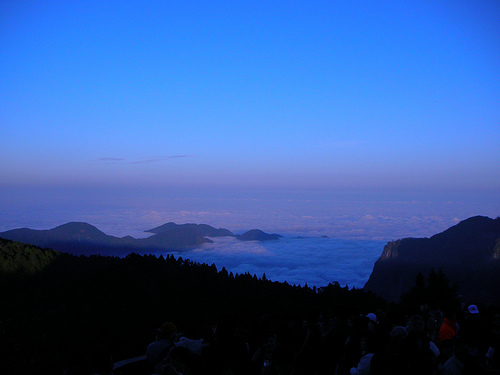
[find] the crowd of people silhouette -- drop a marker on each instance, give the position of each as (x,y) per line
(428,342)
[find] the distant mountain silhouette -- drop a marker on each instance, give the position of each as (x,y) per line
(258,235)
(468,253)
(200,229)
(74,237)
(85,239)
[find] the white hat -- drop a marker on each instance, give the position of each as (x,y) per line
(473,309)
(372,317)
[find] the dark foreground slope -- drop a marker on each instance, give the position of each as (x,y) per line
(468,253)
(54,302)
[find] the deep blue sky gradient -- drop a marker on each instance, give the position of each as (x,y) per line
(387,95)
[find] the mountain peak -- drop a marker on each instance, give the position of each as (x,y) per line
(258,235)
(203,230)
(77,230)
(77,226)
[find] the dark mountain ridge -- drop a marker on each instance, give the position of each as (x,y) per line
(85,239)
(258,235)
(81,238)
(468,253)
(74,231)
(200,229)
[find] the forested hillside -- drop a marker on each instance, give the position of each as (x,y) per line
(23,258)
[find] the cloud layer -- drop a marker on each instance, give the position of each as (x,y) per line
(315,261)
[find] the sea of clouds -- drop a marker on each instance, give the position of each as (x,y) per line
(315,261)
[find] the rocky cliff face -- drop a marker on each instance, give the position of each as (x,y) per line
(496,251)
(468,253)
(390,250)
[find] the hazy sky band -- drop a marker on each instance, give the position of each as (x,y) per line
(360,215)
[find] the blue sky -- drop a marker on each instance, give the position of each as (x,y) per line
(376,95)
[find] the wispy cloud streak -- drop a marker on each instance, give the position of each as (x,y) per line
(143,160)
(110,159)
